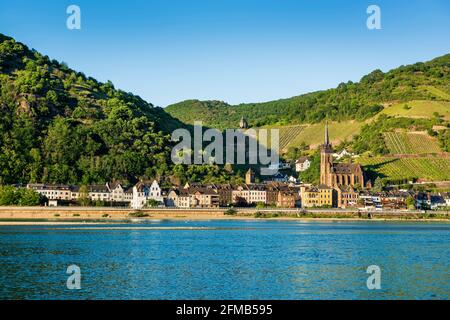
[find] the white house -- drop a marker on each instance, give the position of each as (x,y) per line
(52,191)
(302,164)
(142,193)
(117,192)
(155,191)
(254,193)
(342,154)
(99,192)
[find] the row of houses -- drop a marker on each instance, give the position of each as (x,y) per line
(109,192)
(189,196)
(214,195)
(194,195)
(347,197)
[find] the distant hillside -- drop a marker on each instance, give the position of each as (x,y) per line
(429,81)
(385,117)
(58,125)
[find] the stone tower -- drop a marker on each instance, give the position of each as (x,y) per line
(250,177)
(243,124)
(326,160)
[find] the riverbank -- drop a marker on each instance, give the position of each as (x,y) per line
(77,215)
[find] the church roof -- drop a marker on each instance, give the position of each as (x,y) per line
(346,168)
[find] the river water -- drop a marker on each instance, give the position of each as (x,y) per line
(229,259)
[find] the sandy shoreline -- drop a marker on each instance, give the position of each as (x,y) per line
(81,215)
(52,222)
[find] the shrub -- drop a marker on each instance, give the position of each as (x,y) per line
(230,212)
(151,203)
(137,214)
(76,214)
(105,215)
(258,214)
(275,215)
(260,205)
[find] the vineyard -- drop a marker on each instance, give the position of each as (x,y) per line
(430,169)
(286,134)
(411,143)
(313,135)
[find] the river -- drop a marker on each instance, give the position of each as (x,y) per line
(228,259)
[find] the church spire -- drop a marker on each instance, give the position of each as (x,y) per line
(327,139)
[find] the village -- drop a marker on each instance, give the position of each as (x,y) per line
(342,185)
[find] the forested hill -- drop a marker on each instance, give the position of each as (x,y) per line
(58,125)
(420,81)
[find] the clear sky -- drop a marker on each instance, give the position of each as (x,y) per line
(232,50)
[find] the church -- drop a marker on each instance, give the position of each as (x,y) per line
(336,175)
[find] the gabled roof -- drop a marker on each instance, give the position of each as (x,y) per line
(256,187)
(301,160)
(50,186)
(140,186)
(114,185)
(347,188)
(98,188)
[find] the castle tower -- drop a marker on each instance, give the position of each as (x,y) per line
(326,160)
(250,177)
(243,124)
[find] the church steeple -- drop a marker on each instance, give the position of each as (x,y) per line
(327,138)
(326,160)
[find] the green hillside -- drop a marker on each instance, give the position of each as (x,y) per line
(429,81)
(385,113)
(60,126)
(418,109)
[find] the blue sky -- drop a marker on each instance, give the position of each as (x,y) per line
(232,50)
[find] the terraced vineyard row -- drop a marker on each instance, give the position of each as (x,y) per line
(431,169)
(313,135)
(288,134)
(411,143)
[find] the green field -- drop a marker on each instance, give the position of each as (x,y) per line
(430,169)
(436,92)
(418,109)
(411,143)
